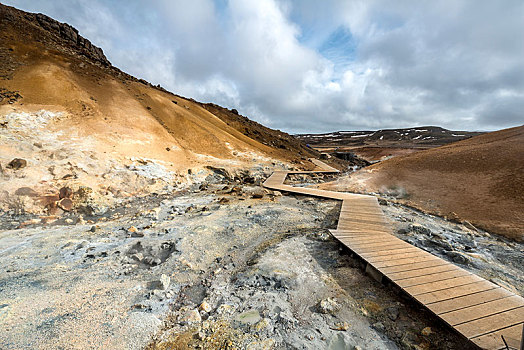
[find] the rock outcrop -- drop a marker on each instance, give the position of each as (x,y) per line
(63,33)
(71,36)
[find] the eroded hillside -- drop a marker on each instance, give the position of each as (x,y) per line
(480,180)
(78,122)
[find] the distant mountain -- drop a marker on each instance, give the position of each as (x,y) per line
(409,137)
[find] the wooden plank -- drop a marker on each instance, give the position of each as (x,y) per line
(432,297)
(491,323)
(363,214)
(441,276)
(367,234)
(471,313)
(369,211)
(363,233)
(358,233)
(443,285)
(369,219)
(379,258)
(367,241)
(493,340)
(362,227)
(416,266)
(376,248)
(399,276)
(355,231)
(372,242)
(349,222)
(355,221)
(406,261)
(360,208)
(366,247)
(389,252)
(371,249)
(363,239)
(461,302)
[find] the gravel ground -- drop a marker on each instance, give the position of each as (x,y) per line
(210,268)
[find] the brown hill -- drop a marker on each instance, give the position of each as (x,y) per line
(480,180)
(73,116)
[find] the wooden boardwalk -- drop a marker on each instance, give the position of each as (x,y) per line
(479,310)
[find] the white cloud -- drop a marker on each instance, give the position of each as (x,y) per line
(455,63)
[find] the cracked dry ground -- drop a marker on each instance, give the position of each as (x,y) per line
(202,269)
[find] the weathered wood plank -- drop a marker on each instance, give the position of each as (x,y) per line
(380,258)
(376,247)
(415,266)
(432,297)
(406,261)
(491,323)
(461,302)
(471,313)
(427,271)
(442,285)
(493,340)
(389,252)
(441,276)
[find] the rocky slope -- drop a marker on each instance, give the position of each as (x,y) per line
(480,180)
(78,122)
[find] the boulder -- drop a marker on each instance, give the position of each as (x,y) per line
(191,316)
(65,192)
(205,307)
(221,172)
(258,194)
(426,331)
(65,204)
(459,258)
(48,201)
(340,326)
(328,306)
(420,229)
(17,163)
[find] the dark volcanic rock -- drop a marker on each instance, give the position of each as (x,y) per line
(7,96)
(17,163)
(66,192)
(70,35)
(65,204)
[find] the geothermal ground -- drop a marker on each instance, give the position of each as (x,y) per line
(224,264)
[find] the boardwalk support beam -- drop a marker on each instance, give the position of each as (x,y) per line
(373,272)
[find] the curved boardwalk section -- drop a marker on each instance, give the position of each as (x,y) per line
(481,311)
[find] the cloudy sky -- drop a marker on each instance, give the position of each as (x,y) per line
(320,65)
